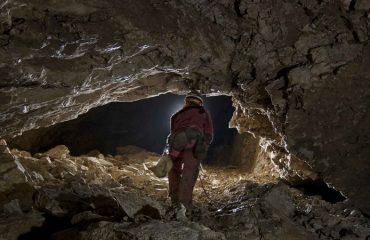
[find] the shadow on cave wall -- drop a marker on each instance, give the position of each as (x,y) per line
(143,123)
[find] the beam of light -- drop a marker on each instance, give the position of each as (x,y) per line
(176,105)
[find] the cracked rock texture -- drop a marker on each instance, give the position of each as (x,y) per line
(106,197)
(298,70)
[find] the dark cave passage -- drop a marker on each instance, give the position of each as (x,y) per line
(51,226)
(144,123)
(320,188)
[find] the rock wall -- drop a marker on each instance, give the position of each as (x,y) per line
(59,59)
(243,153)
(298,70)
(314,91)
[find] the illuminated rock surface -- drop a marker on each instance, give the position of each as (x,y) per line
(118,198)
(298,71)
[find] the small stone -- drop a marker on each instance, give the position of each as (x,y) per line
(3,142)
(355,213)
(346,211)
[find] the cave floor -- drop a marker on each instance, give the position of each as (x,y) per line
(116,197)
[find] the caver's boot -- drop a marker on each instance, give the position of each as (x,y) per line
(181,213)
(177,212)
(192,212)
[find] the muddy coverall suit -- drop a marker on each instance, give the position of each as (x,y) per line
(191,133)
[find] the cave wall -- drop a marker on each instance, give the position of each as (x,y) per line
(243,152)
(298,70)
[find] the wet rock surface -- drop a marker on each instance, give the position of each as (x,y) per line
(108,198)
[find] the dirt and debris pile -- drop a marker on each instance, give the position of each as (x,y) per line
(104,197)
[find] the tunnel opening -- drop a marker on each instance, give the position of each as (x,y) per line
(144,123)
(320,188)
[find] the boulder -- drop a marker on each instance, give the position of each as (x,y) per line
(135,203)
(280,200)
(62,202)
(58,152)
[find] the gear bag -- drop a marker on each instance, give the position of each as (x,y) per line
(188,139)
(162,167)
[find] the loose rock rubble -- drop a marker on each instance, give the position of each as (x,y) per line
(105,197)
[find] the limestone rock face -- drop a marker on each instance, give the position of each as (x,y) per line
(15,189)
(298,71)
(78,55)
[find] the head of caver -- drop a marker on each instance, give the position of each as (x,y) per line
(193,99)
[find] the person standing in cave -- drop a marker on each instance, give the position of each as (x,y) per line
(187,145)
